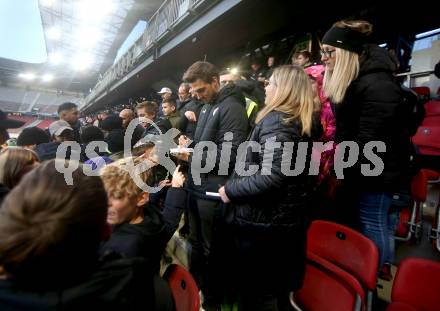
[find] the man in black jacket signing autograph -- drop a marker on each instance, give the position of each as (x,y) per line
(223,112)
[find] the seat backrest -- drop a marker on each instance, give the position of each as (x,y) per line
(432,114)
(404,218)
(346,248)
(432,108)
(183,287)
(422,91)
(417,284)
(419,187)
(427,138)
(327,287)
(431,174)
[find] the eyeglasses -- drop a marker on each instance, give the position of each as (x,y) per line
(327,53)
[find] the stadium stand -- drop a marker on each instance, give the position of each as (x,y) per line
(45,123)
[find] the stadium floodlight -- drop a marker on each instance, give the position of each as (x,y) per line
(82,62)
(87,38)
(234,71)
(47,77)
(47,3)
(29,76)
(55,58)
(54,33)
(94,11)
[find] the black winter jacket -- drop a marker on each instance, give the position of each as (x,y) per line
(149,238)
(373,110)
(48,151)
(227,113)
(162,123)
(76,131)
(146,239)
(252,90)
(185,126)
(270,210)
(116,284)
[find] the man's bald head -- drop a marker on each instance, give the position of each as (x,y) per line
(184,91)
(126,115)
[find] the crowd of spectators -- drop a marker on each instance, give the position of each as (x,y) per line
(98,243)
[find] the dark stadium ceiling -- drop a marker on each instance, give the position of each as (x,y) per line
(81,37)
(255,23)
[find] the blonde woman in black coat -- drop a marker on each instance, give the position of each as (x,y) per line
(369,108)
(269,207)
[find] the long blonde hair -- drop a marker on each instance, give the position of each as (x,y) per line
(337,81)
(293,96)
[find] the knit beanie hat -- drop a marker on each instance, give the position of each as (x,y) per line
(346,39)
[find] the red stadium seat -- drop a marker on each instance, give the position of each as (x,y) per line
(433,177)
(435,230)
(398,306)
(432,117)
(416,286)
(27,119)
(419,187)
(410,224)
(45,123)
(423,91)
(427,138)
(347,249)
(183,287)
(402,227)
(327,287)
(432,108)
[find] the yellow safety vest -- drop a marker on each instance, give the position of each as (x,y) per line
(250,106)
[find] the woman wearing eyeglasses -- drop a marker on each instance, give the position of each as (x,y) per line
(359,81)
(270,207)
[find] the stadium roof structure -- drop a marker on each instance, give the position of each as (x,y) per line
(81,31)
(82,38)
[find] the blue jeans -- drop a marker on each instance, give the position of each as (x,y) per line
(377,224)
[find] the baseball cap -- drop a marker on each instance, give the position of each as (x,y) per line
(6,123)
(165,90)
(58,127)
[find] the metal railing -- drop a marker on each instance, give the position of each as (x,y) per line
(409,77)
(169,14)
